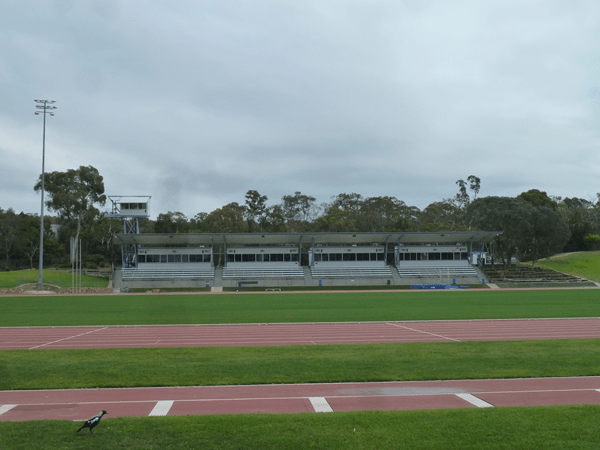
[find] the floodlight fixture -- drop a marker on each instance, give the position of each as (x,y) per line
(43,108)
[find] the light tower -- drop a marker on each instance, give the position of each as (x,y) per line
(44,107)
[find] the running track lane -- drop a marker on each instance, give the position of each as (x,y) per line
(80,405)
(295,333)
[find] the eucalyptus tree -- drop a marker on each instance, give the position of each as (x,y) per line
(28,242)
(256,210)
(73,195)
(227,219)
(298,211)
(463,198)
(512,216)
(550,230)
(445,215)
(385,214)
(549,235)
(583,218)
(171,222)
(275,220)
(8,237)
(19,240)
(528,231)
(539,198)
(341,214)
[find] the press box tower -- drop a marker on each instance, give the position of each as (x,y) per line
(130,209)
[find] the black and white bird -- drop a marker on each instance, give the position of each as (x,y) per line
(91,423)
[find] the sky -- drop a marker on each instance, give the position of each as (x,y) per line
(196,102)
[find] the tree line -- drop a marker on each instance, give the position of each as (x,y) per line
(534,225)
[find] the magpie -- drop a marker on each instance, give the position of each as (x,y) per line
(93,421)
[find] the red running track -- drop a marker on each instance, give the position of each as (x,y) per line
(295,334)
(83,404)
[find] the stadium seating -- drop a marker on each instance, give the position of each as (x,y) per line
(522,274)
(435,269)
(132,274)
(351,272)
(292,272)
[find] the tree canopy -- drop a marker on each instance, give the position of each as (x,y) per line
(533,224)
(528,231)
(74,193)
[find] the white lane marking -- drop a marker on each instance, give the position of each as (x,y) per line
(424,332)
(475,400)
(69,337)
(320,404)
(6,408)
(200,400)
(162,408)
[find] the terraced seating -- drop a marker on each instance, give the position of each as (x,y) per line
(293,272)
(131,274)
(351,272)
(435,269)
(520,274)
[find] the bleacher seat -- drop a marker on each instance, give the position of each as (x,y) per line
(156,274)
(435,268)
(351,272)
(291,272)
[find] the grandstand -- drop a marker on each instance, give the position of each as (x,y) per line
(349,262)
(299,259)
(438,263)
(263,262)
(161,264)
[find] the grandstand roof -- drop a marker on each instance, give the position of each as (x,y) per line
(412,238)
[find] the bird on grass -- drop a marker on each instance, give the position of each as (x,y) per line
(91,423)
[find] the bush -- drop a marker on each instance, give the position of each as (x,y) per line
(592,241)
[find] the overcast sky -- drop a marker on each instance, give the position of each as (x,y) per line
(196,102)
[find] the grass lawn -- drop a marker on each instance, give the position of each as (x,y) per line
(581,264)
(61,278)
(196,366)
(557,427)
(296,307)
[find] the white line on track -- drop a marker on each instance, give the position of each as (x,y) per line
(475,400)
(320,404)
(292,397)
(6,408)
(424,332)
(66,338)
(161,408)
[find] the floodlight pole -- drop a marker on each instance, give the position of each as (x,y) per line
(44,107)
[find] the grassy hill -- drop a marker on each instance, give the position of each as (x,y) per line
(581,264)
(56,277)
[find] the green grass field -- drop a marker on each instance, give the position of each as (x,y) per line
(197,366)
(548,428)
(296,307)
(498,428)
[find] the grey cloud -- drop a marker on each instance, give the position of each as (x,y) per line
(196,103)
